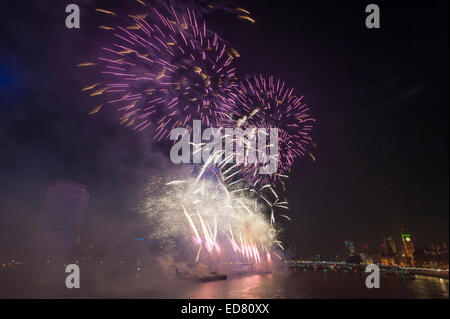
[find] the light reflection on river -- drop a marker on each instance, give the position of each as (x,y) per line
(107,283)
(298,285)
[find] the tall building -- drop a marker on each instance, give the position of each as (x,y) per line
(389,245)
(350,248)
(408,244)
(59,225)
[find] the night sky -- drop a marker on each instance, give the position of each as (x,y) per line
(380,98)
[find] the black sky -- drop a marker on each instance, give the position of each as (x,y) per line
(380,98)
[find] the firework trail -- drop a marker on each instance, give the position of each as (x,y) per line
(220,223)
(164,68)
(268,103)
(232,176)
(205,7)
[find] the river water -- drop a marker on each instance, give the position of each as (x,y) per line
(311,284)
(286,285)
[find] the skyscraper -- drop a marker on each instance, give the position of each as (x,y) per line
(59,225)
(350,248)
(389,245)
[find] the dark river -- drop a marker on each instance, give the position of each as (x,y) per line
(316,285)
(286,285)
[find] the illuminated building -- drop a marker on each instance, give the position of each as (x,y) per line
(432,256)
(375,255)
(408,245)
(59,225)
(366,258)
(389,255)
(387,260)
(350,248)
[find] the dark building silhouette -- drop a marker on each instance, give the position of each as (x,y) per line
(390,245)
(59,225)
(350,246)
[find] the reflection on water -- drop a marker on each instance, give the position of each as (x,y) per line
(298,285)
(105,283)
(246,287)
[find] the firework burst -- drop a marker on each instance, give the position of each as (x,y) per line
(268,103)
(165,69)
(218,222)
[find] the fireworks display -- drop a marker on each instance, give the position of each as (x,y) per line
(223,224)
(163,68)
(269,103)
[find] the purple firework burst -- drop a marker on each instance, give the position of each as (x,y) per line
(166,70)
(268,103)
